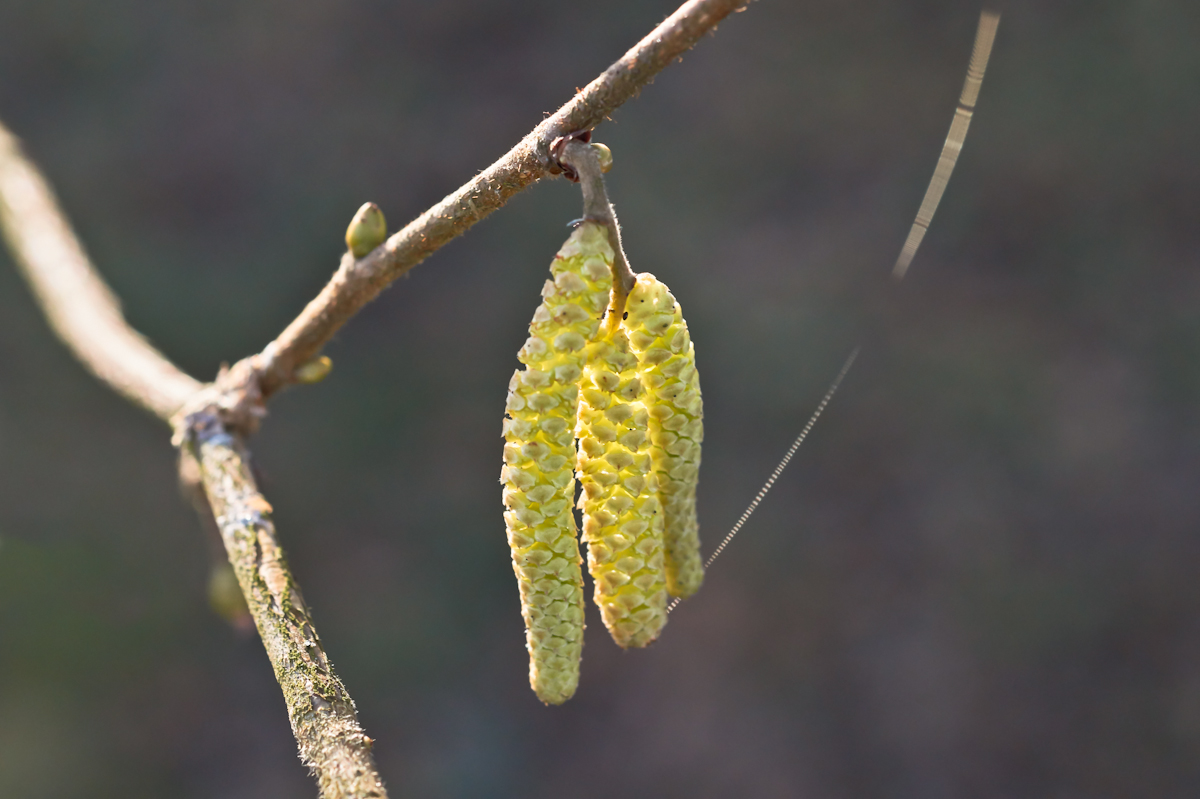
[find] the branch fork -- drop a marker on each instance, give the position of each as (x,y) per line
(580,162)
(210,422)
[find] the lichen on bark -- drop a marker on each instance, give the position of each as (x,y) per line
(332,742)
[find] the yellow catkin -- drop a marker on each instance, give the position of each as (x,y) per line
(622,514)
(667,364)
(539,454)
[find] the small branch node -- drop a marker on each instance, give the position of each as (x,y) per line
(584,160)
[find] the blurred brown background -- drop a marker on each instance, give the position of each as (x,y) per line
(979,577)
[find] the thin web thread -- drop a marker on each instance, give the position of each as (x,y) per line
(985,35)
(762,492)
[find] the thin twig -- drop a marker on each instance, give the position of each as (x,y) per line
(209,418)
(87,317)
(358,282)
(80,307)
(332,743)
(585,163)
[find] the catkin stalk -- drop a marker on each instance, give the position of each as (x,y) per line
(539,453)
(622,514)
(667,364)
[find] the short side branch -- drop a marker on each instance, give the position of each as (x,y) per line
(87,317)
(81,309)
(332,743)
(84,313)
(584,161)
(358,282)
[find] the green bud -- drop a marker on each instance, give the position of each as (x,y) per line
(313,371)
(368,229)
(605,155)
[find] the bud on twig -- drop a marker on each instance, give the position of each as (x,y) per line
(367,230)
(313,371)
(605,156)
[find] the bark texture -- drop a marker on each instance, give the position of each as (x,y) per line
(324,721)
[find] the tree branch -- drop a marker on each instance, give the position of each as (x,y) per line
(209,420)
(80,307)
(358,282)
(86,316)
(332,743)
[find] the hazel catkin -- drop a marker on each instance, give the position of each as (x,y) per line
(539,456)
(659,338)
(622,514)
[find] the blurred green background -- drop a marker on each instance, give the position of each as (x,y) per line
(979,577)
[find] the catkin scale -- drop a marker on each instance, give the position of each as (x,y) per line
(539,456)
(622,514)
(659,338)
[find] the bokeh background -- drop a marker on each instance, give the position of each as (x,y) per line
(979,577)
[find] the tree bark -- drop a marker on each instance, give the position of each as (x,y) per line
(324,721)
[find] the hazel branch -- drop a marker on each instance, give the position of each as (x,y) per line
(81,309)
(324,721)
(210,418)
(357,282)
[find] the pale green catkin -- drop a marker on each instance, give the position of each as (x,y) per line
(622,514)
(539,453)
(667,364)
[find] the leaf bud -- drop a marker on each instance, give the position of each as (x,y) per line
(313,371)
(367,230)
(605,155)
